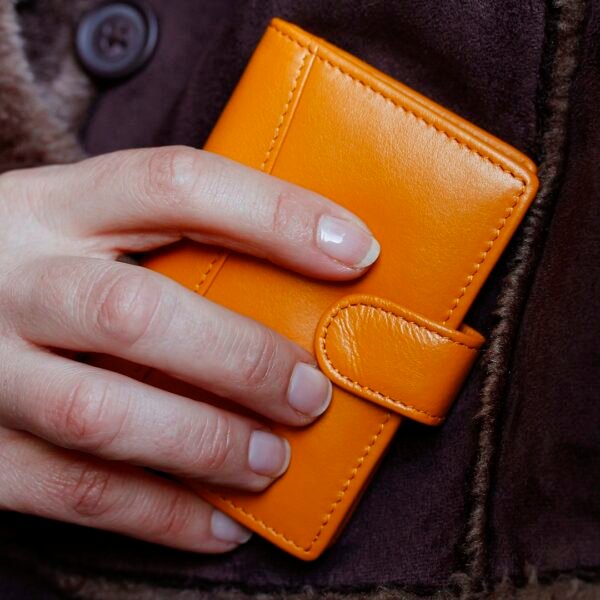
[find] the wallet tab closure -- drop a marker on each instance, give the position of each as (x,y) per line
(389,355)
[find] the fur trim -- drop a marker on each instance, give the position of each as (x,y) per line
(39,117)
(562,47)
(80,588)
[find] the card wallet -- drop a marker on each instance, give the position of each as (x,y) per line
(442,197)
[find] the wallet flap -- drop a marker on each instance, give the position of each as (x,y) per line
(389,355)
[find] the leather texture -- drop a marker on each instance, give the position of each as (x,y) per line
(442,197)
(393,357)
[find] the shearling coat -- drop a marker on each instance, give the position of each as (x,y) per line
(504,499)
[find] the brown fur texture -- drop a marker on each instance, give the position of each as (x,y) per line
(39,112)
(77,588)
(565,20)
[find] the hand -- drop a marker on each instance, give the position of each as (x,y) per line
(74,438)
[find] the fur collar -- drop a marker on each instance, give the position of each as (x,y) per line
(40,109)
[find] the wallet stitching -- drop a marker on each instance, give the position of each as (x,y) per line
(361,459)
(206,273)
(471,276)
(327,517)
(365,388)
(286,108)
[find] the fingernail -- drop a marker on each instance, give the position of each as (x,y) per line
(225,529)
(347,242)
(309,391)
(268,454)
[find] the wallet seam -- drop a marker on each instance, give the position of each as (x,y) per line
(361,459)
(327,517)
(365,388)
(450,137)
(263,165)
(206,272)
(490,243)
(284,112)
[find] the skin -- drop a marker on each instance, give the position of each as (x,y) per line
(74,439)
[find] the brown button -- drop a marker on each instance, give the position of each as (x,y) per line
(115,40)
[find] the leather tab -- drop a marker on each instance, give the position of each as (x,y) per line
(389,355)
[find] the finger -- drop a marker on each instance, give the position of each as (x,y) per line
(141,316)
(185,192)
(111,416)
(39,479)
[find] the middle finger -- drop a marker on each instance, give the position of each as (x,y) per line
(141,316)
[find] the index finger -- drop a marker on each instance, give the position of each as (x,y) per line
(197,194)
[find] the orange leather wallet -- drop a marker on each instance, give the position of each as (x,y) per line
(442,197)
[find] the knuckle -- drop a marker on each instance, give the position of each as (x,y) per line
(201,448)
(8,185)
(259,358)
(86,419)
(292,216)
(123,305)
(11,497)
(175,519)
(14,184)
(216,444)
(15,194)
(24,189)
(171,173)
(85,489)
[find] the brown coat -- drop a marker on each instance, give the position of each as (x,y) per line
(503,499)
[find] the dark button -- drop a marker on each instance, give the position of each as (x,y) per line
(115,40)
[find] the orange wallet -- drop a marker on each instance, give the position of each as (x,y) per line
(442,197)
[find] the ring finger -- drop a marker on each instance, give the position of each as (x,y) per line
(109,415)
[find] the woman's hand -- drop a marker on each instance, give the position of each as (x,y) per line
(73,438)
